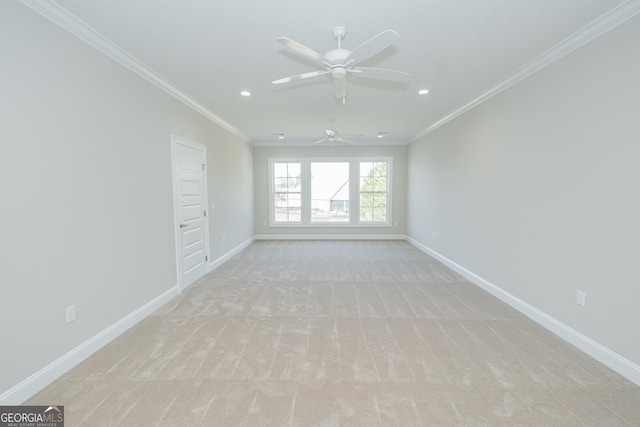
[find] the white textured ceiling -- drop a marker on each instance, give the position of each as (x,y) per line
(458,49)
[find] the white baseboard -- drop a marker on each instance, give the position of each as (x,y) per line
(330,237)
(224,258)
(45,376)
(609,358)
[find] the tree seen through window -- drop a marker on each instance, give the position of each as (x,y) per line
(373,191)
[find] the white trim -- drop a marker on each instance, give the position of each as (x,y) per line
(285,143)
(176,222)
(321,225)
(330,237)
(45,376)
(621,365)
(60,16)
(601,25)
(224,258)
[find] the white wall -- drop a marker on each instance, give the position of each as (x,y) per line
(261,174)
(537,191)
(85,184)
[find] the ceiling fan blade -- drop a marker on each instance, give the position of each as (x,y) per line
(300,76)
(320,140)
(340,88)
(302,50)
(373,46)
(341,139)
(381,74)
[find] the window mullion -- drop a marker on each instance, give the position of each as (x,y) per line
(306,192)
(354,191)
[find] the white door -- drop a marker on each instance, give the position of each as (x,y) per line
(189,176)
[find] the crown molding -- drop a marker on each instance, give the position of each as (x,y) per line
(61,17)
(595,29)
(295,143)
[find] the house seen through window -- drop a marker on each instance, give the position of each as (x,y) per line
(330,192)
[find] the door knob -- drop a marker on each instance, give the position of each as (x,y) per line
(184,225)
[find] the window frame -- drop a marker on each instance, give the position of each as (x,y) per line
(311,195)
(354,191)
(387,192)
(274,191)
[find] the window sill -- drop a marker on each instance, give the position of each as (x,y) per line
(330,224)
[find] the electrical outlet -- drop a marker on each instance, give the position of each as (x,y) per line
(265,223)
(434,236)
(213,207)
(71,313)
(224,238)
(580,298)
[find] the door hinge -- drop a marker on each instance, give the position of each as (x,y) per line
(206,258)
(205,213)
(203,165)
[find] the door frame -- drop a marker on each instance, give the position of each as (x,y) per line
(175,140)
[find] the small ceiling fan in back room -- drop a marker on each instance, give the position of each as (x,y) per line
(341,63)
(332,135)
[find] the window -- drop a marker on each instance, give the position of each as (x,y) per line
(330,191)
(287,191)
(373,191)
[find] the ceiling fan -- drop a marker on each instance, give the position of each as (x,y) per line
(341,63)
(332,135)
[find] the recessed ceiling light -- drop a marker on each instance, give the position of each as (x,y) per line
(279,135)
(423,91)
(245,93)
(380,134)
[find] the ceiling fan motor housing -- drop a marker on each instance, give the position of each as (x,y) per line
(337,59)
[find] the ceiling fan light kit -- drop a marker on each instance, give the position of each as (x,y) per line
(341,63)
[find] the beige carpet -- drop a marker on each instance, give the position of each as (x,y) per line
(340,333)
